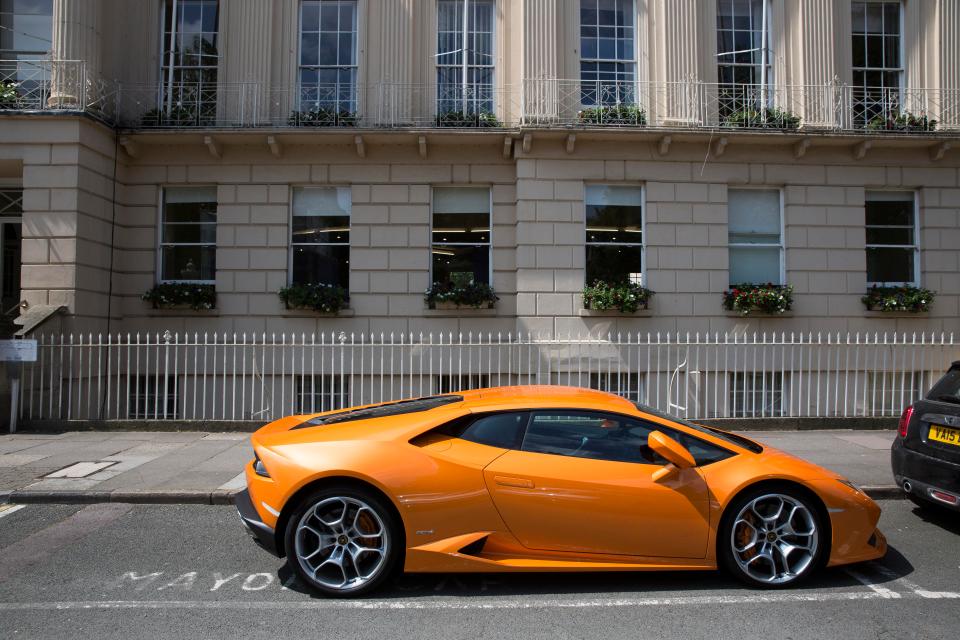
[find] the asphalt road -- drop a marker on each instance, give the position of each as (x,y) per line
(123,571)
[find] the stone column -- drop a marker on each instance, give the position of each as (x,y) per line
(75,51)
(245,43)
(676,50)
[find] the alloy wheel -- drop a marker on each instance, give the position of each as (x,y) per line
(774,538)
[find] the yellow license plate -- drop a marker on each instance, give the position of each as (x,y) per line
(944,434)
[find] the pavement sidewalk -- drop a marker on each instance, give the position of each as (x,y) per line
(207,468)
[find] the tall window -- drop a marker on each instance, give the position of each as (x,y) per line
(465,83)
(461,235)
(877,60)
(328,58)
(743,63)
(188,235)
(756,395)
(316,393)
(892,251)
(614,242)
(607,52)
(755,236)
(26,30)
(320,236)
(190,59)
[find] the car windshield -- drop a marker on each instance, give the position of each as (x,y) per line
(732,438)
(947,388)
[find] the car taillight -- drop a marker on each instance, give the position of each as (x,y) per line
(905,421)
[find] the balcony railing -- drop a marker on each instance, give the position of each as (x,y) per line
(42,85)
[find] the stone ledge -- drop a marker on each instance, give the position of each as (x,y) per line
(757,314)
(613,313)
(310,313)
(897,314)
(460,312)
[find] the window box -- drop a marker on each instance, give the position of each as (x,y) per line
(480,119)
(769,118)
(9,98)
(614,115)
(475,295)
(323,298)
(625,297)
(901,121)
(904,299)
(322,117)
(182,295)
(764,299)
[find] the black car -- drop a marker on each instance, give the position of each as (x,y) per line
(926,454)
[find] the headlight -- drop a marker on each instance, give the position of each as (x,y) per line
(258,467)
(846,482)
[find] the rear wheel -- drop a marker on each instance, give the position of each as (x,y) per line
(343,541)
(772,537)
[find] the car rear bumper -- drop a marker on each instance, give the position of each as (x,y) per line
(924,476)
(262,534)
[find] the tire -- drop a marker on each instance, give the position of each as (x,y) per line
(344,541)
(772,537)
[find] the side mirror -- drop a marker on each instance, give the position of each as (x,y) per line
(675,454)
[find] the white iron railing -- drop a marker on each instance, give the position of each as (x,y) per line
(266,376)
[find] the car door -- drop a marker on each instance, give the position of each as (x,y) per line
(581,482)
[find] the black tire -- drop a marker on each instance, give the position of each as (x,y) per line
(391,528)
(804,565)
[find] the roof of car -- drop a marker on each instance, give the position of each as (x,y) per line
(523,394)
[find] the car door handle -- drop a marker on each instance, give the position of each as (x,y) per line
(506,481)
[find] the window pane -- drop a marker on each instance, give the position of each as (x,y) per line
(191,212)
(461,265)
(320,229)
(614,264)
(461,200)
(321,201)
(461,227)
(500,430)
(324,264)
(890,235)
(889,265)
(188,262)
(889,209)
(190,233)
(754,215)
(754,264)
(589,435)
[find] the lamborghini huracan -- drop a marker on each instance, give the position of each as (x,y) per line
(540,478)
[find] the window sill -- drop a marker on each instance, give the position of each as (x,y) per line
(312,313)
(454,312)
(182,310)
(613,313)
(757,314)
(896,314)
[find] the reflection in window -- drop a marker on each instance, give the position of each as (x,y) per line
(316,393)
(756,395)
(320,236)
(742,66)
(891,238)
(607,52)
(877,60)
(465,84)
(26,31)
(328,56)
(190,60)
(188,235)
(614,234)
(461,235)
(755,239)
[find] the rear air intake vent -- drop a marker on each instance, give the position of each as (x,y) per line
(383,410)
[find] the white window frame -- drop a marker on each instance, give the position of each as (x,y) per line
(160,244)
(781,245)
(465,85)
(489,189)
(169,65)
(290,242)
(643,229)
(901,70)
(765,67)
(916,239)
(355,89)
(635,51)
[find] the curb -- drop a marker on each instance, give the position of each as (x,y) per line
(226,496)
(26,496)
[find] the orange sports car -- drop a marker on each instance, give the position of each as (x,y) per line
(540,478)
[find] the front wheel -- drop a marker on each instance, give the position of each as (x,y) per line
(343,541)
(772,538)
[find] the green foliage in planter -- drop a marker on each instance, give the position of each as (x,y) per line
(905,298)
(8,95)
(323,117)
(626,297)
(763,298)
(182,294)
(326,298)
(619,114)
(481,119)
(472,294)
(769,118)
(901,121)
(176,116)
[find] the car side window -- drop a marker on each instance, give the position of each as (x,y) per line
(587,434)
(502,430)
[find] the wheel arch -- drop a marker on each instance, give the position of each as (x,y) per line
(772,484)
(329,481)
